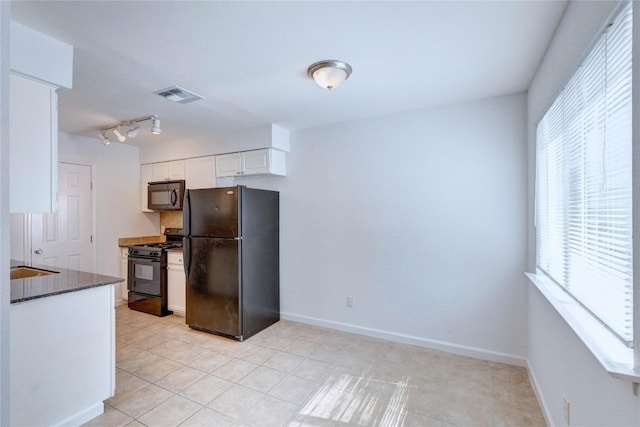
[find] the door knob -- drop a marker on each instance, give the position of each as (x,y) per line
(37,251)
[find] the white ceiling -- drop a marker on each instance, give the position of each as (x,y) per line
(249,59)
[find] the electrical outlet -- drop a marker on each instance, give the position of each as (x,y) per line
(350,302)
(567,411)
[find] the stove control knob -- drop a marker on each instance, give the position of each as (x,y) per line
(133,251)
(155,253)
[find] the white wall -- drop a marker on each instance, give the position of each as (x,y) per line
(5,10)
(561,365)
(117,195)
(420,217)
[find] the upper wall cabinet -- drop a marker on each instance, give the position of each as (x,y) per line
(200,172)
(168,171)
(256,162)
(39,65)
(33,148)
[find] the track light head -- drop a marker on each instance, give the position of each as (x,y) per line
(103,138)
(132,133)
(156,126)
(118,135)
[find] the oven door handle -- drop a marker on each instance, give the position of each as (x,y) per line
(143,260)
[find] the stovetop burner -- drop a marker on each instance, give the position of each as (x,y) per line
(174,241)
(165,245)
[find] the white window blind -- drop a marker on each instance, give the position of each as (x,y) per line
(583,182)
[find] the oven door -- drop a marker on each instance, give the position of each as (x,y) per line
(145,276)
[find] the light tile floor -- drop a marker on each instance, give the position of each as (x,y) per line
(298,375)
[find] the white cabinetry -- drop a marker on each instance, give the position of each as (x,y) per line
(33,150)
(256,162)
(229,165)
(200,172)
(168,170)
(176,283)
(124,292)
(146,176)
(62,355)
(163,171)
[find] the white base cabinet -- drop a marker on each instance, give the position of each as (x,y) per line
(123,294)
(176,283)
(62,355)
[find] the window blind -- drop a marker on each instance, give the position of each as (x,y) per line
(583,182)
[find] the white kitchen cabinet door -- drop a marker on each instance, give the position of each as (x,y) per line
(229,165)
(176,283)
(33,146)
(256,162)
(200,172)
(146,176)
(160,171)
(176,169)
(164,171)
(124,273)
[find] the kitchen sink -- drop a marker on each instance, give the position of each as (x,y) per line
(24,272)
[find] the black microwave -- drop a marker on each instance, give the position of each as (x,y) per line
(165,195)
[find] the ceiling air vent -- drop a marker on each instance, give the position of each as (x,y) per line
(177,94)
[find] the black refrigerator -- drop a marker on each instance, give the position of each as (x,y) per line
(231,260)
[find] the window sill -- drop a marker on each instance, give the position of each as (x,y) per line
(615,357)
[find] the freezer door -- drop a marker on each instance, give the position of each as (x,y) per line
(212,212)
(213,286)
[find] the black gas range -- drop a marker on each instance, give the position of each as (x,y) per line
(147,278)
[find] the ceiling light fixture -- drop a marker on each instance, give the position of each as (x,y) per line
(133,130)
(156,126)
(103,138)
(132,133)
(118,135)
(329,74)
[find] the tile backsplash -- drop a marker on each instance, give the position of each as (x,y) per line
(170,219)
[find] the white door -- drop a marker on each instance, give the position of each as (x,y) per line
(63,239)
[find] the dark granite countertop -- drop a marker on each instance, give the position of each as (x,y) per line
(54,284)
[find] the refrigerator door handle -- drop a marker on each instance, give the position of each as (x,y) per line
(186,249)
(186,212)
(186,229)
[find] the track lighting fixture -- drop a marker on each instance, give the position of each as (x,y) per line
(132,133)
(103,138)
(133,130)
(156,126)
(118,135)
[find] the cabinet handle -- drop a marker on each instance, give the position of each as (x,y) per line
(37,251)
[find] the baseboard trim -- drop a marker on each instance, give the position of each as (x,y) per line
(83,416)
(460,350)
(538,392)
